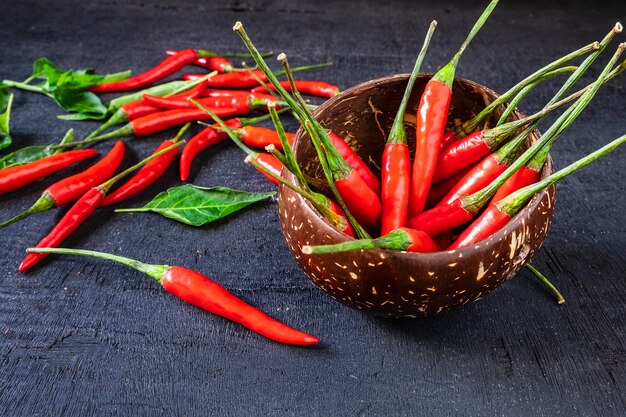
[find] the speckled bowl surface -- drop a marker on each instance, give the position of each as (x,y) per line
(392,283)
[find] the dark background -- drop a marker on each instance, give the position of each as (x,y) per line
(87,337)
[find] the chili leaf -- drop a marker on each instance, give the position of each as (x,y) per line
(70,89)
(197,206)
(32,153)
(6,100)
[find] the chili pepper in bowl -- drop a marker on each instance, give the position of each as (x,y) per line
(499,213)
(202,292)
(71,188)
(396,161)
(81,210)
(432,115)
(16,177)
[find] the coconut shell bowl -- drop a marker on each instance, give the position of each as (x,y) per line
(392,283)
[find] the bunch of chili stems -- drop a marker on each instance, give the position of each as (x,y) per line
(227,91)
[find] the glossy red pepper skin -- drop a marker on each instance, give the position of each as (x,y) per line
(362,202)
(420,241)
(157,122)
(147,175)
(167,67)
(260,137)
(272,164)
(237,79)
(441,189)
(72,188)
(440,219)
(16,177)
(74,217)
(136,109)
(350,156)
(460,154)
(314,88)
(202,292)
(476,179)
(206,138)
(448,139)
(396,174)
(432,115)
(492,219)
(241,103)
(214,63)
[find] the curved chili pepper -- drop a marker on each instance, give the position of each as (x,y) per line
(396,161)
(271,163)
(362,202)
(80,211)
(402,239)
(157,122)
(243,103)
(167,67)
(432,115)
(499,213)
(200,291)
(260,137)
(314,88)
(214,63)
(148,174)
(354,160)
(71,188)
(16,177)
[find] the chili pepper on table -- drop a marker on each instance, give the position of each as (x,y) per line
(243,103)
(71,188)
(16,177)
(219,63)
(148,174)
(244,79)
(202,292)
(455,212)
(432,115)
(80,212)
(126,110)
(499,213)
(314,88)
(396,161)
(267,160)
(165,68)
(471,125)
(401,239)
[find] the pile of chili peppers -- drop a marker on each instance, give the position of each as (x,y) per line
(464,183)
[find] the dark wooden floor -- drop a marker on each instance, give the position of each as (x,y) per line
(82,337)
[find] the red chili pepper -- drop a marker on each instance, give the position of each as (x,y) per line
(352,158)
(362,202)
(157,122)
(237,79)
(396,161)
(432,115)
(214,63)
(314,88)
(438,191)
(16,177)
(448,139)
(80,211)
(403,239)
(148,174)
(260,137)
(165,68)
(200,291)
(499,213)
(72,188)
(242,103)
(271,163)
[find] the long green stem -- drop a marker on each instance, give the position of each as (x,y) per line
(290,157)
(478,199)
(154,271)
(27,87)
(395,240)
(446,74)
(515,201)
(397,134)
(546,282)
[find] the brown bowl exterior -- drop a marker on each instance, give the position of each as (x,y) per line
(401,284)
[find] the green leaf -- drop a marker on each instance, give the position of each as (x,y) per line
(197,206)
(6,100)
(32,153)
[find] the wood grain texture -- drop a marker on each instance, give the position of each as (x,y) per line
(82,337)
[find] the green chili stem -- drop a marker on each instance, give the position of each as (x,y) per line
(154,271)
(395,240)
(290,158)
(397,134)
(279,155)
(546,282)
(27,87)
(515,201)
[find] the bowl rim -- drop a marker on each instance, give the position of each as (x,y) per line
(444,255)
